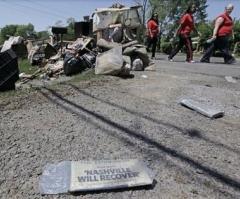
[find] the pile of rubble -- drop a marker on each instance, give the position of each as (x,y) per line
(116,50)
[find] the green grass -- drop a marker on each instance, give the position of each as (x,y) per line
(12,93)
(76,78)
(25,67)
(84,77)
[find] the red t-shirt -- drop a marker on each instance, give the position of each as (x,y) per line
(226,27)
(154,28)
(187,23)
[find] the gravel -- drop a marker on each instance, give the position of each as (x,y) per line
(124,118)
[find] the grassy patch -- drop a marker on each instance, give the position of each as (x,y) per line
(81,77)
(84,77)
(12,93)
(25,67)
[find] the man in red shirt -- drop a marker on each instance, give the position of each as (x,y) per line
(184,30)
(222,30)
(152,34)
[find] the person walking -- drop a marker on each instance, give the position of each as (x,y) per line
(152,34)
(183,31)
(220,40)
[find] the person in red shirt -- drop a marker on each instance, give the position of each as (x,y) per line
(220,39)
(152,34)
(183,31)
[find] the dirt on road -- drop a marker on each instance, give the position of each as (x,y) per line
(127,118)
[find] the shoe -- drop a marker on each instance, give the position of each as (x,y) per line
(231,61)
(204,61)
(154,58)
(191,61)
(170,60)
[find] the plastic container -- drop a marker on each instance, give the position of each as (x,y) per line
(195,38)
(209,40)
(9,72)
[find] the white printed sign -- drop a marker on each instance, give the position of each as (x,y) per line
(108,174)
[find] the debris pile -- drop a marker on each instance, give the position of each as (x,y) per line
(116,50)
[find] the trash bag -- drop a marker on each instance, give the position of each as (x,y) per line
(73,65)
(137,64)
(110,62)
(89,58)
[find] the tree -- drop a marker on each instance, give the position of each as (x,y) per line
(6,31)
(206,30)
(71,29)
(25,31)
(42,35)
(170,13)
(59,23)
(16,30)
(143,11)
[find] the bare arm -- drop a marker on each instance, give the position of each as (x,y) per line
(150,32)
(178,29)
(218,23)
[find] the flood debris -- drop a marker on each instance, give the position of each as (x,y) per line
(82,176)
(230,79)
(9,72)
(17,44)
(201,108)
(112,47)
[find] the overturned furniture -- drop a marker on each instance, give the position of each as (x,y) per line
(9,72)
(17,44)
(117,24)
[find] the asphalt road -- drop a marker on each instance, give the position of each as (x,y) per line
(216,67)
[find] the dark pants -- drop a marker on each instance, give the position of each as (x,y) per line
(184,39)
(221,43)
(152,41)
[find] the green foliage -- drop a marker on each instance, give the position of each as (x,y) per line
(166,47)
(143,14)
(169,14)
(236,27)
(84,76)
(42,35)
(16,30)
(206,30)
(70,27)
(6,31)
(25,31)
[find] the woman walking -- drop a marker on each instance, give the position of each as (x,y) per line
(222,30)
(183,32)
(152,34)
